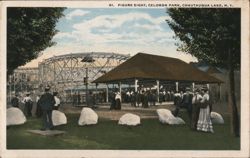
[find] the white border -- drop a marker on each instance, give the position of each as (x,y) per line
(244,152)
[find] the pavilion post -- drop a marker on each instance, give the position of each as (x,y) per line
(158,89)
(177,86)
(136,83)
(120,89)
(96,91)
(207,86)
(107,93)
(193,85)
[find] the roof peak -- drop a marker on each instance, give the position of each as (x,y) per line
(161,56)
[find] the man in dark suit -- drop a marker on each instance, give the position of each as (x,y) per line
(15,101)
(91,100)
(187,101)
(196,102)
(47,102)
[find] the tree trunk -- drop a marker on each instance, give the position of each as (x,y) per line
(235,124)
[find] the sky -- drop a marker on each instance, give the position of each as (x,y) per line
(117,30)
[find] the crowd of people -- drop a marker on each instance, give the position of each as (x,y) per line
(198,104)
(142,98)
(79,99)
(44,106)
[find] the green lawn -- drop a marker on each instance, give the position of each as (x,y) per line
(109,135)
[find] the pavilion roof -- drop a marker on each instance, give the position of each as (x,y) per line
(153,67)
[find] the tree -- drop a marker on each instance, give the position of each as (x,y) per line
(29,31)
(213,36)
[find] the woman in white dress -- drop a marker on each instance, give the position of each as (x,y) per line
(57,101)
(118,101)
(28,104)
(204,121)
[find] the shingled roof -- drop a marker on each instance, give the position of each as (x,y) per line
(147,66)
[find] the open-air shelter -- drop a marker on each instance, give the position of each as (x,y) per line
(156,70)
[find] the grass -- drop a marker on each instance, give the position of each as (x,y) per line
(107,134)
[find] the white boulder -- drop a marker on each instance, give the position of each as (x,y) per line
(88,117)
(216,118)
(15,116)
(58,118)
(129,119)
(165,116)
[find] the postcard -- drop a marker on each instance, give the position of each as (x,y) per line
(167,78)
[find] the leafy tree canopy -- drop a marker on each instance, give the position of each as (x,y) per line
(208,34)
(29,31)
(213,36)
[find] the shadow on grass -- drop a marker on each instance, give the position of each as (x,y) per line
(107,134)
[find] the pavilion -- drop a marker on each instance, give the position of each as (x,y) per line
(147,68)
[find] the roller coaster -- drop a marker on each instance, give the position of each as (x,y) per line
(71,72)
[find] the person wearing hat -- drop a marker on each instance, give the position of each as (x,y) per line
(57,101)
(204,122)
(91,100)
(112,100)
(28,104)
(145,99)
(187,101)
(118,100)
(47,102)
(177,102)
(195,108)
(15,101)
(38,107)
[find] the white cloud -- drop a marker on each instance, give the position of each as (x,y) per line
(107,26)
(120,33)
(75,13)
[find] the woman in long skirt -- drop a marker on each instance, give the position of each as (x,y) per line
(195,109)
(118,101)
(204,122)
